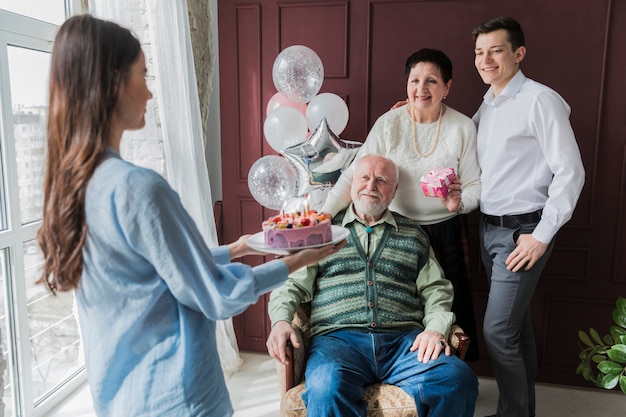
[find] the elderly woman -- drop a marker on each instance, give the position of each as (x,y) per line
(418,136)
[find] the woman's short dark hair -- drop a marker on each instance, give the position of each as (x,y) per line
(434,56)
(512,27)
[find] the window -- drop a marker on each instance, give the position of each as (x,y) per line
(39,337)
(51,11)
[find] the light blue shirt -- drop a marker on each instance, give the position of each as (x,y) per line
(149,296)
(528,154)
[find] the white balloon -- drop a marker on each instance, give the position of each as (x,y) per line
(298,73)
(284,127)
(272,181)
(329,106)
(278,100)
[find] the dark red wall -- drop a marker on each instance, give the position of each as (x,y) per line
(574,46)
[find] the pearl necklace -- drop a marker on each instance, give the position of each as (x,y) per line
(426,155)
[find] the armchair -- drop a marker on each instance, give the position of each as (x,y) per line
(382,400)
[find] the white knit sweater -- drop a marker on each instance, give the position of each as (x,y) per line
(392,136)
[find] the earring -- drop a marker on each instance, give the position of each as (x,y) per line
(445,97)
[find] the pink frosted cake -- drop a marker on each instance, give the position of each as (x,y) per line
(297,230)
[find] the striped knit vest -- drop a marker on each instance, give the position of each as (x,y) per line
(376,294)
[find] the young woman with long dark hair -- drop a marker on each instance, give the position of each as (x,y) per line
(148,289)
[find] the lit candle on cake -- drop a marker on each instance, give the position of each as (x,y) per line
(308,208)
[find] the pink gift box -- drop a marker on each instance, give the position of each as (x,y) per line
(436,182)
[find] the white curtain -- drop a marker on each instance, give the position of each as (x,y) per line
(163,28)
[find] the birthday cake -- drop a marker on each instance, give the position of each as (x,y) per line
(297,230)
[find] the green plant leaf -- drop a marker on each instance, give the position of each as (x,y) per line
(610,381)
(598,380)
(607,352)
(598,358)
(619,316)
(617,353)
(618,334)
(617,331)
(595,336)
(610,367)
(621,305)
(579,369)
(584,338)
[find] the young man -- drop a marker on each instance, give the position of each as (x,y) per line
(532,176)
(380,311)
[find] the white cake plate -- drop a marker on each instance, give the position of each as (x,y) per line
(257,242)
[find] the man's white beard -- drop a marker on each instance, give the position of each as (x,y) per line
(371,209)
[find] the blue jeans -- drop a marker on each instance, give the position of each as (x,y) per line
(342,362)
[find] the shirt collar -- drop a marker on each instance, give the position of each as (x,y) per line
(351,216)
(510,90)
(110,152)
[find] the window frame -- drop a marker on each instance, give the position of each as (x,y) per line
(24,32)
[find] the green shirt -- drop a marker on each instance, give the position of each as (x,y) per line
(434,293)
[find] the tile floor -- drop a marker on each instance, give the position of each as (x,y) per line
(254,393)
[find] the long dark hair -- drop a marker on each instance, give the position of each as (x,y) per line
(90,59)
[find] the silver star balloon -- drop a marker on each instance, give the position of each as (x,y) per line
(319,160)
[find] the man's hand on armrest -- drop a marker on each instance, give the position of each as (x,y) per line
(277,340)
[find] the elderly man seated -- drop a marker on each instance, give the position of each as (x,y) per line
(380,311)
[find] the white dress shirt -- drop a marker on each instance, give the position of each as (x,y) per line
(528,155)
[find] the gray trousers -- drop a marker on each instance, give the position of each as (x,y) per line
(507,327)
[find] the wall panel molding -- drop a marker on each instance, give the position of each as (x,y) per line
(249,101)
(619,256)
(318,17)
(568,263)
